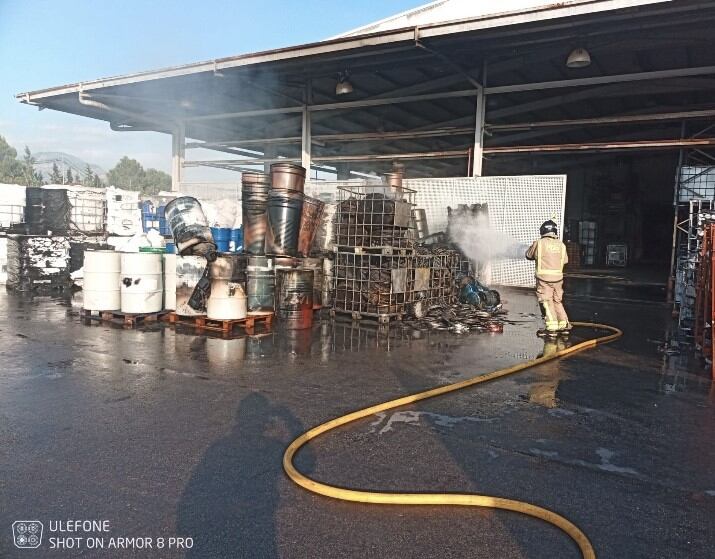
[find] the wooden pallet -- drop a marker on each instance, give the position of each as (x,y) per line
(356,315)
(129,320)
(223,326)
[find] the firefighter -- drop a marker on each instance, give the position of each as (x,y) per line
(550,256)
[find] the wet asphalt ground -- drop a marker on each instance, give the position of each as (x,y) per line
(165,434)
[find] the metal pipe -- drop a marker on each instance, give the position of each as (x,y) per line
(331,158)
(602,120)
(351,137)
(601,146)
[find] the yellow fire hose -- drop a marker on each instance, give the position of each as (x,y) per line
(445,498)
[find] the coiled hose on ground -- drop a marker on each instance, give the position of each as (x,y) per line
(473,500)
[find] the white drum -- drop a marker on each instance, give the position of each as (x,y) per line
(170,282)
(142,289)
(102,280)
(189,270)
(227,301)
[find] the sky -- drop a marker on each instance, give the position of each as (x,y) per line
(45,43)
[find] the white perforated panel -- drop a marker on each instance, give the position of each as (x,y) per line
(517,206)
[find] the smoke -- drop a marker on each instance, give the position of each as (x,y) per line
(479,242)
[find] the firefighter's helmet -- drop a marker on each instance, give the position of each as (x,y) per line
(548,227)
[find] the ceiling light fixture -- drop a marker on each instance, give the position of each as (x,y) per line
(579,58)
(343,87)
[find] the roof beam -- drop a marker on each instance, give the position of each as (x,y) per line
(625,119)
(604,146)
(600,80)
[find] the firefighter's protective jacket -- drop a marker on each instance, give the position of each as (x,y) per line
(550,255)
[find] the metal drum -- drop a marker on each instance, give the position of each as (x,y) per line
(227,301)
(394,183)
(261,284)
(189,270)
(254,191)
(288,176)
(294,297)
(309,222)
(316,265)
(102,278)
(142,286)
(189,227)
(230,267)
(228,287)
(284,211)
(419,223)
(324,240)
(170,282)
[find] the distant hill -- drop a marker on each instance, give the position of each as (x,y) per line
(64,161)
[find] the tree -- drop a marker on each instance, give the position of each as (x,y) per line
(88,179)
(130,174)
(156,181)
(31,177)
(55,175)
(69,178)
(97,182)
(10,167)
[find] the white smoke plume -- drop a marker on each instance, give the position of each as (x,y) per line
(480,242)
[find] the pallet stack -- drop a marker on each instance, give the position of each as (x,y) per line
(374,266)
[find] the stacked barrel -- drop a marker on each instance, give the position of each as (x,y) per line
(280,224)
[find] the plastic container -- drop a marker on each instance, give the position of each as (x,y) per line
(222,238)
(142,285)
(102,280)
(236,244)
(170,248)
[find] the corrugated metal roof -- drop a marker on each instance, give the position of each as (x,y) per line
(451,10)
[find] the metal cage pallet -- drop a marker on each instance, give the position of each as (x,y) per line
(374,216)
(372,284)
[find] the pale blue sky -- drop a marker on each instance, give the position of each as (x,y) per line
(46,43)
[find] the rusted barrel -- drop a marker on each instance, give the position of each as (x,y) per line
(309,221)
(189,227)
(254,194)
(294,298)
(284,211)
(261,284)
(288,176)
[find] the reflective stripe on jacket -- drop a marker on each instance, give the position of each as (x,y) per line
(550,255)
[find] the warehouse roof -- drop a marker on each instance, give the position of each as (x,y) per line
(412,73)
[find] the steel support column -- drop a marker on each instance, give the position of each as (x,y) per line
(178,142)
(478,149)
(306,138)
